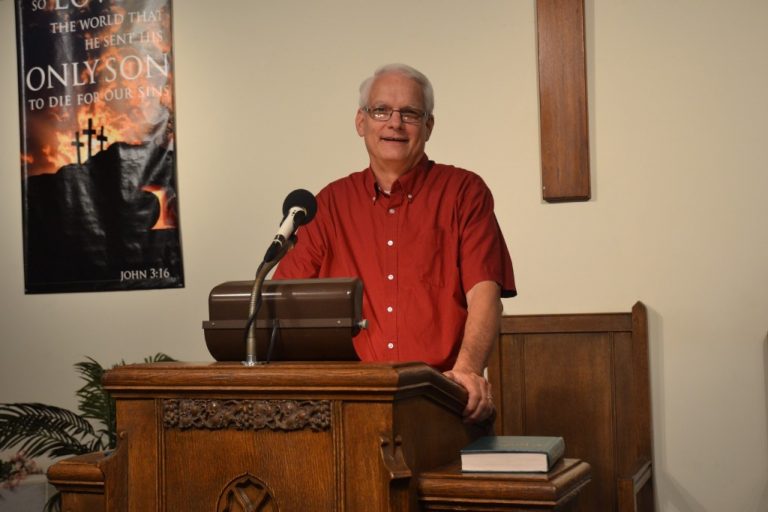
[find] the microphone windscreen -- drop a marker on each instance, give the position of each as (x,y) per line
(302,199)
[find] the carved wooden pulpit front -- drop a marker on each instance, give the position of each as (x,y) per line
(283,436)
(288,437)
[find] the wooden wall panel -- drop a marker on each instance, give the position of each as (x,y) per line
(570,376)
(627,452)
(509,385)
(272,457)
(137,420)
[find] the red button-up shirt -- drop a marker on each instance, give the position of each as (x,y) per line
(417,250)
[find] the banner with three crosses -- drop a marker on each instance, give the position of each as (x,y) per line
(98,164)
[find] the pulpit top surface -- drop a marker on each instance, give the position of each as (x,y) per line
(328,379)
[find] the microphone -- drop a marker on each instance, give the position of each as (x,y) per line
(299,208)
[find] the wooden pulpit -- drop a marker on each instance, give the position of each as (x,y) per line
(293,436)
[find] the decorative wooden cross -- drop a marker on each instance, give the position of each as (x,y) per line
(77,145)
(90,132)
(563,100)
(102,139)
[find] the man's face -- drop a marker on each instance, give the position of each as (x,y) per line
(394,142)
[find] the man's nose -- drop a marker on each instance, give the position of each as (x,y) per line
(395,120)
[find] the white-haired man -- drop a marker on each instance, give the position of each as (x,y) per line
(423,238)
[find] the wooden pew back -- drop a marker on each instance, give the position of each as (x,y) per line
(584,377)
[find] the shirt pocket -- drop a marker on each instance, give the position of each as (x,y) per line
(428,258)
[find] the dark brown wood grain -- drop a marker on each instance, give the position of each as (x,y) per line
(298,436)
(447,488)
(394,430)
(584,377)
(563,109)
(224,437)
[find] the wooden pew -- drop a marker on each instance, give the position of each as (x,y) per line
(584,377)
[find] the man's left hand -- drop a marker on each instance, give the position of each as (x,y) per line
(480,401)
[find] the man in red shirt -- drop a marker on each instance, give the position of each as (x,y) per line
(422,237)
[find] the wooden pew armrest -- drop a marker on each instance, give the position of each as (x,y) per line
(94,482)
(81,473)
(630,486)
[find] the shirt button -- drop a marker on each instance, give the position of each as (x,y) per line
(391,210)
(390,243)
(410,196)
(391,277)
(390,309)
(390,345)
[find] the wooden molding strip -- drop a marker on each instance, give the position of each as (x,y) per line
(563,100)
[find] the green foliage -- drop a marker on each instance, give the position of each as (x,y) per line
(40,429)
(36,429)
(45,430)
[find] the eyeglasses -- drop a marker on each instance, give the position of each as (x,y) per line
(407,115)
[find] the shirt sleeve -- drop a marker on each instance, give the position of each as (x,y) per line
(483,253)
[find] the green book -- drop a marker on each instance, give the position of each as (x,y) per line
(515,454)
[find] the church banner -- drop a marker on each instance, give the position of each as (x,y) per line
(98,162)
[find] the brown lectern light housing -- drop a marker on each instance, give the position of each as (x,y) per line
(313,319)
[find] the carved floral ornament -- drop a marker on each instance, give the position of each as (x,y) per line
(215,414)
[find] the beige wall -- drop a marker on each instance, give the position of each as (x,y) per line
(266,94)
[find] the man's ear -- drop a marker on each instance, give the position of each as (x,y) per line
(430,125)
(360,122)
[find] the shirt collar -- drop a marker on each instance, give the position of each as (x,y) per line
(409,184)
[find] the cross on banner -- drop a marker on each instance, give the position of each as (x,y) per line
(102,139)
(77,145)
(90,132)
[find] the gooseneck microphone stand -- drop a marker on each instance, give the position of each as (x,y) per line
(255,302)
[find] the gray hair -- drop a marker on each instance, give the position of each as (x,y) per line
(403,69)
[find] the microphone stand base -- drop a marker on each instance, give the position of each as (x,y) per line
(251,361)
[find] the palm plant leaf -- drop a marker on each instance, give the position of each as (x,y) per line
(159,358)
(54,503)
(94,402)
(38,429)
